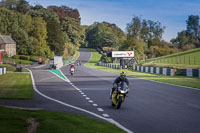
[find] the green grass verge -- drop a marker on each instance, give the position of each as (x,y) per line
(95,58)
(72,59)
(9,67)
(177,80)
(16,86)
(12,68)
(14,121)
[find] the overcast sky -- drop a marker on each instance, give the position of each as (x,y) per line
(171,13)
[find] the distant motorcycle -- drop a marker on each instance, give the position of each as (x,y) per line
(72,71)
(118,96)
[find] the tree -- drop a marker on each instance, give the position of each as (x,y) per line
(193,29)
(134,44)
(22,6)
(101,35)
(181,40)
(133,28)
(40,33)
(56,37)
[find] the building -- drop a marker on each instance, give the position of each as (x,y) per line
(8,45)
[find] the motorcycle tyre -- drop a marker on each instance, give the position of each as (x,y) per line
(119,102)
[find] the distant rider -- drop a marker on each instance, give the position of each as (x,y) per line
(119,79)
(72,66)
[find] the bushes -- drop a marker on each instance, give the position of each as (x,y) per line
(22,57)
(29,58)
(36,58)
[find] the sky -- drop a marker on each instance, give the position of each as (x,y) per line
(171,13)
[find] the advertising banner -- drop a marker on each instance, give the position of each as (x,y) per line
(123,54)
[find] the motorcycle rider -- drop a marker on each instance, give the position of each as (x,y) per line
(72,66)
(119,79)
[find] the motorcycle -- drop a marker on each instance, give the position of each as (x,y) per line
(72,71)
(118,96)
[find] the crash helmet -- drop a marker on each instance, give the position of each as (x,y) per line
(123,75)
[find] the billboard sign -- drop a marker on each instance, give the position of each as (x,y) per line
(123,54)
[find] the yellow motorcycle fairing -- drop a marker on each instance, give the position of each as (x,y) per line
(114,100)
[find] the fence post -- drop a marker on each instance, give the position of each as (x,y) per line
(189,60)
(184,59)
(194,59)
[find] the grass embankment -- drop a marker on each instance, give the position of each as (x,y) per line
(15,121)
(95,58)
(71,59)
(186,59)
(12,68)
(16,86)
(177,80)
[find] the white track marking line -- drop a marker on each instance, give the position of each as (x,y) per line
(82,93)
(85,95)
(47,78)
(74,107)
(100,109)
(95,105)
(90,101)
(105,115)
(87,98)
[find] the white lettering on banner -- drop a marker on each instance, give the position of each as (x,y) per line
(122,53)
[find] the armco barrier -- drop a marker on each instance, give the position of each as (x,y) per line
(169,71)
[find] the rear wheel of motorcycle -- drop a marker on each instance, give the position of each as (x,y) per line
(119,102)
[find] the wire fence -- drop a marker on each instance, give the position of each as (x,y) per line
(185,60)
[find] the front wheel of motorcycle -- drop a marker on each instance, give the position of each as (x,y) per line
(119,102)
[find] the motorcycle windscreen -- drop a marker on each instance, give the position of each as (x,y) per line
(123,86)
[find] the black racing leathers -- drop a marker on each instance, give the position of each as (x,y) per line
(118,80)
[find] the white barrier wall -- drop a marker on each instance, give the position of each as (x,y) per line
(4,71)
(157,70)
(189,72)
(1,71)
(146,69)
(164,71)
(199,73)
(151,70)
(142,68)
(138,68)
(171,72)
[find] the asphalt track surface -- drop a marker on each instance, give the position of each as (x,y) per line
(151,107)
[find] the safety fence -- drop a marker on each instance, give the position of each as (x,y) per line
(110,65)
(159,70)
(169,71)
